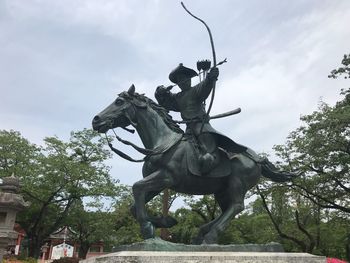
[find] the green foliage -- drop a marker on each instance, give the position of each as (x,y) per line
(126,227)
(54,177)
(187,227)
(201,211)
(344,70)
(310,214)
(334,235)
(16,259)
(18,155)
(249,229)
(320,152)
(292,217)
(90,227)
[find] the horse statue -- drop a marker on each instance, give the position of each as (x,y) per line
(169,163)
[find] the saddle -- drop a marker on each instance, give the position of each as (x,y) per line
(221,168)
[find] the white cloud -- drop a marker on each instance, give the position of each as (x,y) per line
(276,85)
(63,61)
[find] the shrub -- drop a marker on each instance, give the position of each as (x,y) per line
(66,260)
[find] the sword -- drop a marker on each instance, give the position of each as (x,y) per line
(222,115)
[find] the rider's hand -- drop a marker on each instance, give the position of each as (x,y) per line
(161,90)
(213,74)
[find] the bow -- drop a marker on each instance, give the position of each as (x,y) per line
(214,57)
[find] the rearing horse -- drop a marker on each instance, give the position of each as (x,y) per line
(167,165)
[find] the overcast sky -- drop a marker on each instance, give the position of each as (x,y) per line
(62,62)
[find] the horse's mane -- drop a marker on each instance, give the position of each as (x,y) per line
(162,112)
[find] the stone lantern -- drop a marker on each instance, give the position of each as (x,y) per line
(10,203)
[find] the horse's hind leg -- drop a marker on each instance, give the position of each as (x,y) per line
(231,202)
(204,229)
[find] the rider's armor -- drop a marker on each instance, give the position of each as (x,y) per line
(190,103)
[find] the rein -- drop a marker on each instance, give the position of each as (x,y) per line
(121,154)
(148,152)
(137,148)
(169,143)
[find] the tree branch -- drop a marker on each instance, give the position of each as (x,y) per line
(321,171)
(32,196)
(43,209)
(61,217)
(300,243)
(332,204)
(303,230)
(347,189)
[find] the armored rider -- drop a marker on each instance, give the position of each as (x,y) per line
(190,102)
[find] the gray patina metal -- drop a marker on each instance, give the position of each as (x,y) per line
(198,161)
(190,102)
(171,162)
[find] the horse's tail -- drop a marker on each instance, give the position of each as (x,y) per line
(270,171)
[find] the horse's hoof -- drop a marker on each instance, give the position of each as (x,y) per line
(169,221)
(197,241)
(210,238)
(163,222)
(147,230)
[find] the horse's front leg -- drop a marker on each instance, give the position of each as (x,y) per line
(156,181)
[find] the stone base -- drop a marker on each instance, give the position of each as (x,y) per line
(204,257)
(157,244)
(4,241)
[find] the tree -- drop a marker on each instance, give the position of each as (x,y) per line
(200,212)
(320,152)
(343,70)
(17,155)
(91,227)
(55,176)
(125,225)
(293,217)
(168,197)
(253,226)
(303,225)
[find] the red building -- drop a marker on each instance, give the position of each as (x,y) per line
(59,244)
(62,244)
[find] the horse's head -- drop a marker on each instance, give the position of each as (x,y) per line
(121,113)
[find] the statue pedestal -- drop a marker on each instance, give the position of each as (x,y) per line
(160,251)
(204,257)
(157,244)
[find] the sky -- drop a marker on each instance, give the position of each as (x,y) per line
(62,62)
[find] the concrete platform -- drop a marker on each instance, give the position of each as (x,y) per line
(157,244)
(204,257)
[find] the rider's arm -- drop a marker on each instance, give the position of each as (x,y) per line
(166,99)
(204,88)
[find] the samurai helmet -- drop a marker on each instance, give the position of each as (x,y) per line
(181,70)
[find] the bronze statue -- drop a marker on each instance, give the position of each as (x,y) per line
(171,163)
(191,103)
(199,161)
